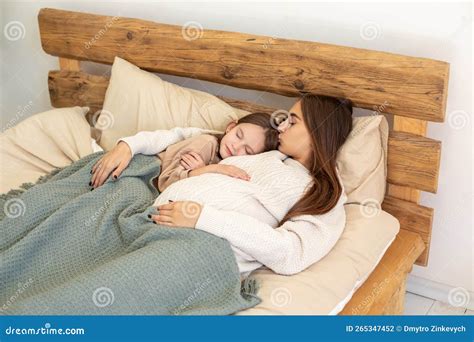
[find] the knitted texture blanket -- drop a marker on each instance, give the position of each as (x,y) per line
(70,251)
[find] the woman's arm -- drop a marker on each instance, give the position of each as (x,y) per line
(157,141)
(288,249)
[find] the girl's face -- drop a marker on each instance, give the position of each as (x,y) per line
(242,139)
(294,138)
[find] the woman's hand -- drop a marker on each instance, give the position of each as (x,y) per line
(116,160)
(178,214)
(192,160)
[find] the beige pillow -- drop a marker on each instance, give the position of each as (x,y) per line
(326,286)
(362,160)
(137,100)
(42,142)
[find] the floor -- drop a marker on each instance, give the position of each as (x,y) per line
(419,305)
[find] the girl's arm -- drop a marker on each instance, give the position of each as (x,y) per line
(288,249)
(154,142)
(172,169)
(229,170)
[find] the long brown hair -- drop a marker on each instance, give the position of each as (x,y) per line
(329,121)
(263,120)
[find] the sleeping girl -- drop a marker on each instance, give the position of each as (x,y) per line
(190,151)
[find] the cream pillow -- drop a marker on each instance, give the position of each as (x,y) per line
(326,286)
(42,142)
(362,160)
(137,100)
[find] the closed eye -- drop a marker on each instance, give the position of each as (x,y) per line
(293,118)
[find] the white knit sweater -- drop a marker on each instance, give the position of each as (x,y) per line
(246,213)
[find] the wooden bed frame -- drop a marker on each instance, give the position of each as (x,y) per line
(410,91)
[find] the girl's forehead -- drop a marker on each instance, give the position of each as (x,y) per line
(250,127)
(254,135)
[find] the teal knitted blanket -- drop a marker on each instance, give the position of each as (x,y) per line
(67,250)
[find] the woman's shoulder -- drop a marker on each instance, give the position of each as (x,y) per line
(273,154)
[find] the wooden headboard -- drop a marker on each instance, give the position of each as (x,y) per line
(413,90)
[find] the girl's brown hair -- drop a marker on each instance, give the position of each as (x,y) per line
(263,120)
(329,122)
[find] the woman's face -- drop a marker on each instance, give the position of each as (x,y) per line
(295,139)
(242,139)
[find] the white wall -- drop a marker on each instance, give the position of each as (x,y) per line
(438,31)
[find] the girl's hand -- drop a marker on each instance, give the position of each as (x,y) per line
(192,160)
(183,214)
(231,170)
(116,160)
(228,170)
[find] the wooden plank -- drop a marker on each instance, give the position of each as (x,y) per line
(375,296)
(70,88)
(417,127)
(396,304)
(69,64)
(412,217)
(248,106)
(413,161)
(403,192)
(409,125)
(401,85)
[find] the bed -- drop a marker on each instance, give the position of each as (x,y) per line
(408,91)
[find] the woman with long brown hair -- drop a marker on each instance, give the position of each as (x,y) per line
(306,230)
